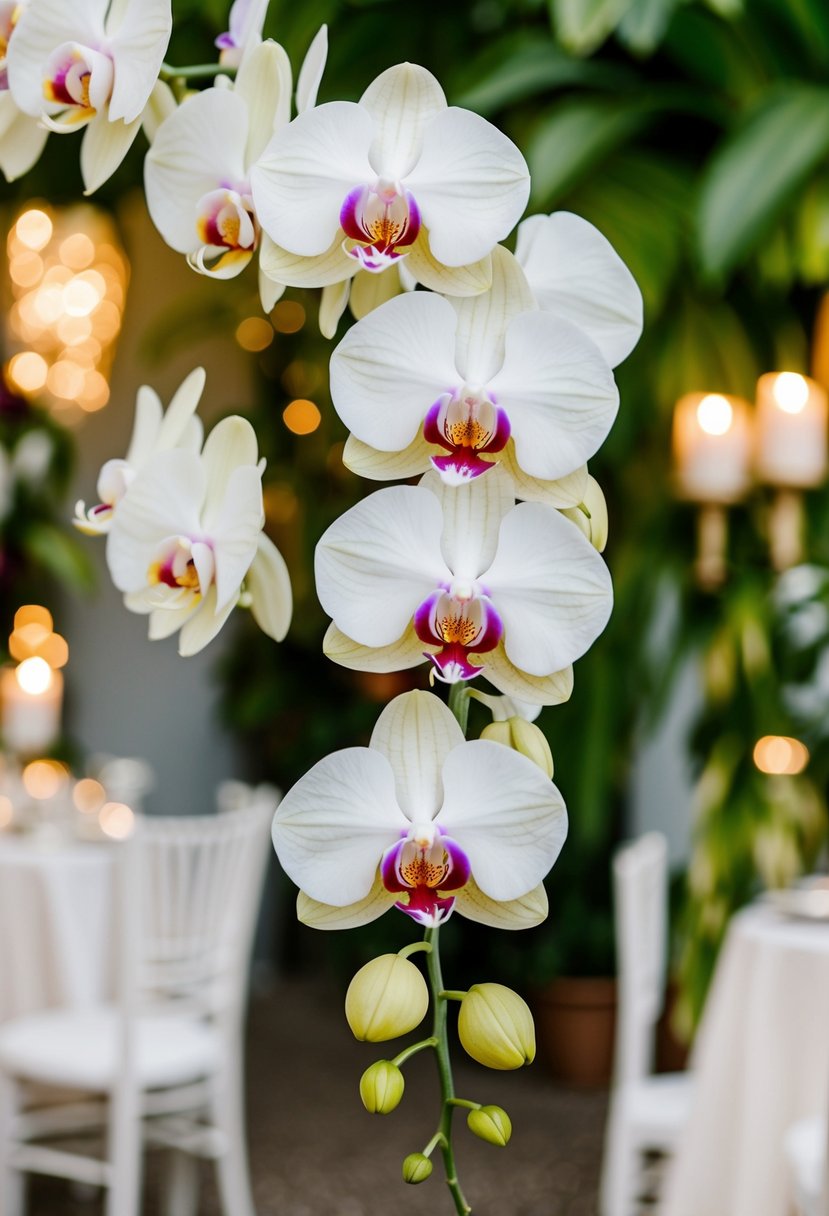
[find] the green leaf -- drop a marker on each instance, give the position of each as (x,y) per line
(582,25)
(61,555)
(713,54)
(758,171)
(573,138)
(645,23)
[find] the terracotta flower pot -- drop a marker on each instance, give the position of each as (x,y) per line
(575,1020)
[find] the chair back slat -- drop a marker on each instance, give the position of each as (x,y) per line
(640,888)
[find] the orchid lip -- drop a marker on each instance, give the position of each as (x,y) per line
(462,622)
(466,423)
(383,220)
(421,865)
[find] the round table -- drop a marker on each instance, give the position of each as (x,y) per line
(760,1062)
(55,913)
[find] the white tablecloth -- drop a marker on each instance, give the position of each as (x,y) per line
(761,1062)
(55,930)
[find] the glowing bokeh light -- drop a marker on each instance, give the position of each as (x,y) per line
(116,820)
(301,417)
(6,811)
(34,229)
(42,779)
(715,414)
(288,317)
(791,392)
(254,333)
(34,676)
(88,796)
(780,755)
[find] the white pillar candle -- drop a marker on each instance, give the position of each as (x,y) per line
(30,706)
(791,430)
(712,447)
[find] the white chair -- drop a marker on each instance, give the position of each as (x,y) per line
(807,1152)
(647,1112)
(164,1064)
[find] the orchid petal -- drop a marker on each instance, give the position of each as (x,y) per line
(180,411)
(163,500)
(403,100)
(536,690)
(332,828)
(231,443)
(483,319)
(310,74)
(164,622)
(406,652)
(194,150)
(294,270)
(503,707)
(263,82)
(236,531)
(229,262)
(333,301)
(40,29)
(402,352)
(159,108)
(138,49)
(306,171)
(506,815)
(567,491)
(203,626)
(149,413)
(471,184)
(269,585)
(416,732)
(369,291)
(325,916)
(378,561)
(575,272)
(104,146)
(559,394)
(22,139)
(472,515)
(523,913)
(270,290)
(368,462)
(449,280)
(552,589)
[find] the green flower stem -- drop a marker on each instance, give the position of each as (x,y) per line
(459,703)
(465,1103)
(408,1052)
(447,1088)
(437,1139)
(412,948)
(197,71)
(451,994)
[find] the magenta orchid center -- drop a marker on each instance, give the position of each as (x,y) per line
(184,565)
(423,863)
(383,220)
(467,424)
(462,621)
(78,78)
(10,11)
(225,218)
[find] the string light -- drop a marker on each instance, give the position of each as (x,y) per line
(780,755)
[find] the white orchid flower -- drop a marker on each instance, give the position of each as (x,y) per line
(422,820)
(187,540)
(22,138)
(574,272)
(466,579)
(90,64)
(197,173)
(153,431)
(398,174)
(474,382)
(247,19)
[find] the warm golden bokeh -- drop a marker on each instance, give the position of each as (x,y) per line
(780,755)
(301,416)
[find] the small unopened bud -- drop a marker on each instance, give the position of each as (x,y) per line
(387,998)
(496,1028)
(416,1168)
(490,1123)
(524,737)
(591,515)
(381,1087)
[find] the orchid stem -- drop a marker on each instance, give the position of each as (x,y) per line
(459,703)
(451,994)
(447,1088)
(408,1052)
(197,71)
(413,948)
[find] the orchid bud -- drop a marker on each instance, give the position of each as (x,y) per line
(524,737)
(416,1168)
(490,1123)
(591,515)
(387,998)
(381,1087)
(496,1028)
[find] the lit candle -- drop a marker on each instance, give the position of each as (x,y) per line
(791,430)
(712,447)
(31,696)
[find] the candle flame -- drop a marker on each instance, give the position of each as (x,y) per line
(715,414)
(34,676)
(791,392)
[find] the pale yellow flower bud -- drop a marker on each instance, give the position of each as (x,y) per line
(381,1087)
(416,1168)
(496,1028)
(387,998)
(524,737)
(490,1123)
(591,515)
